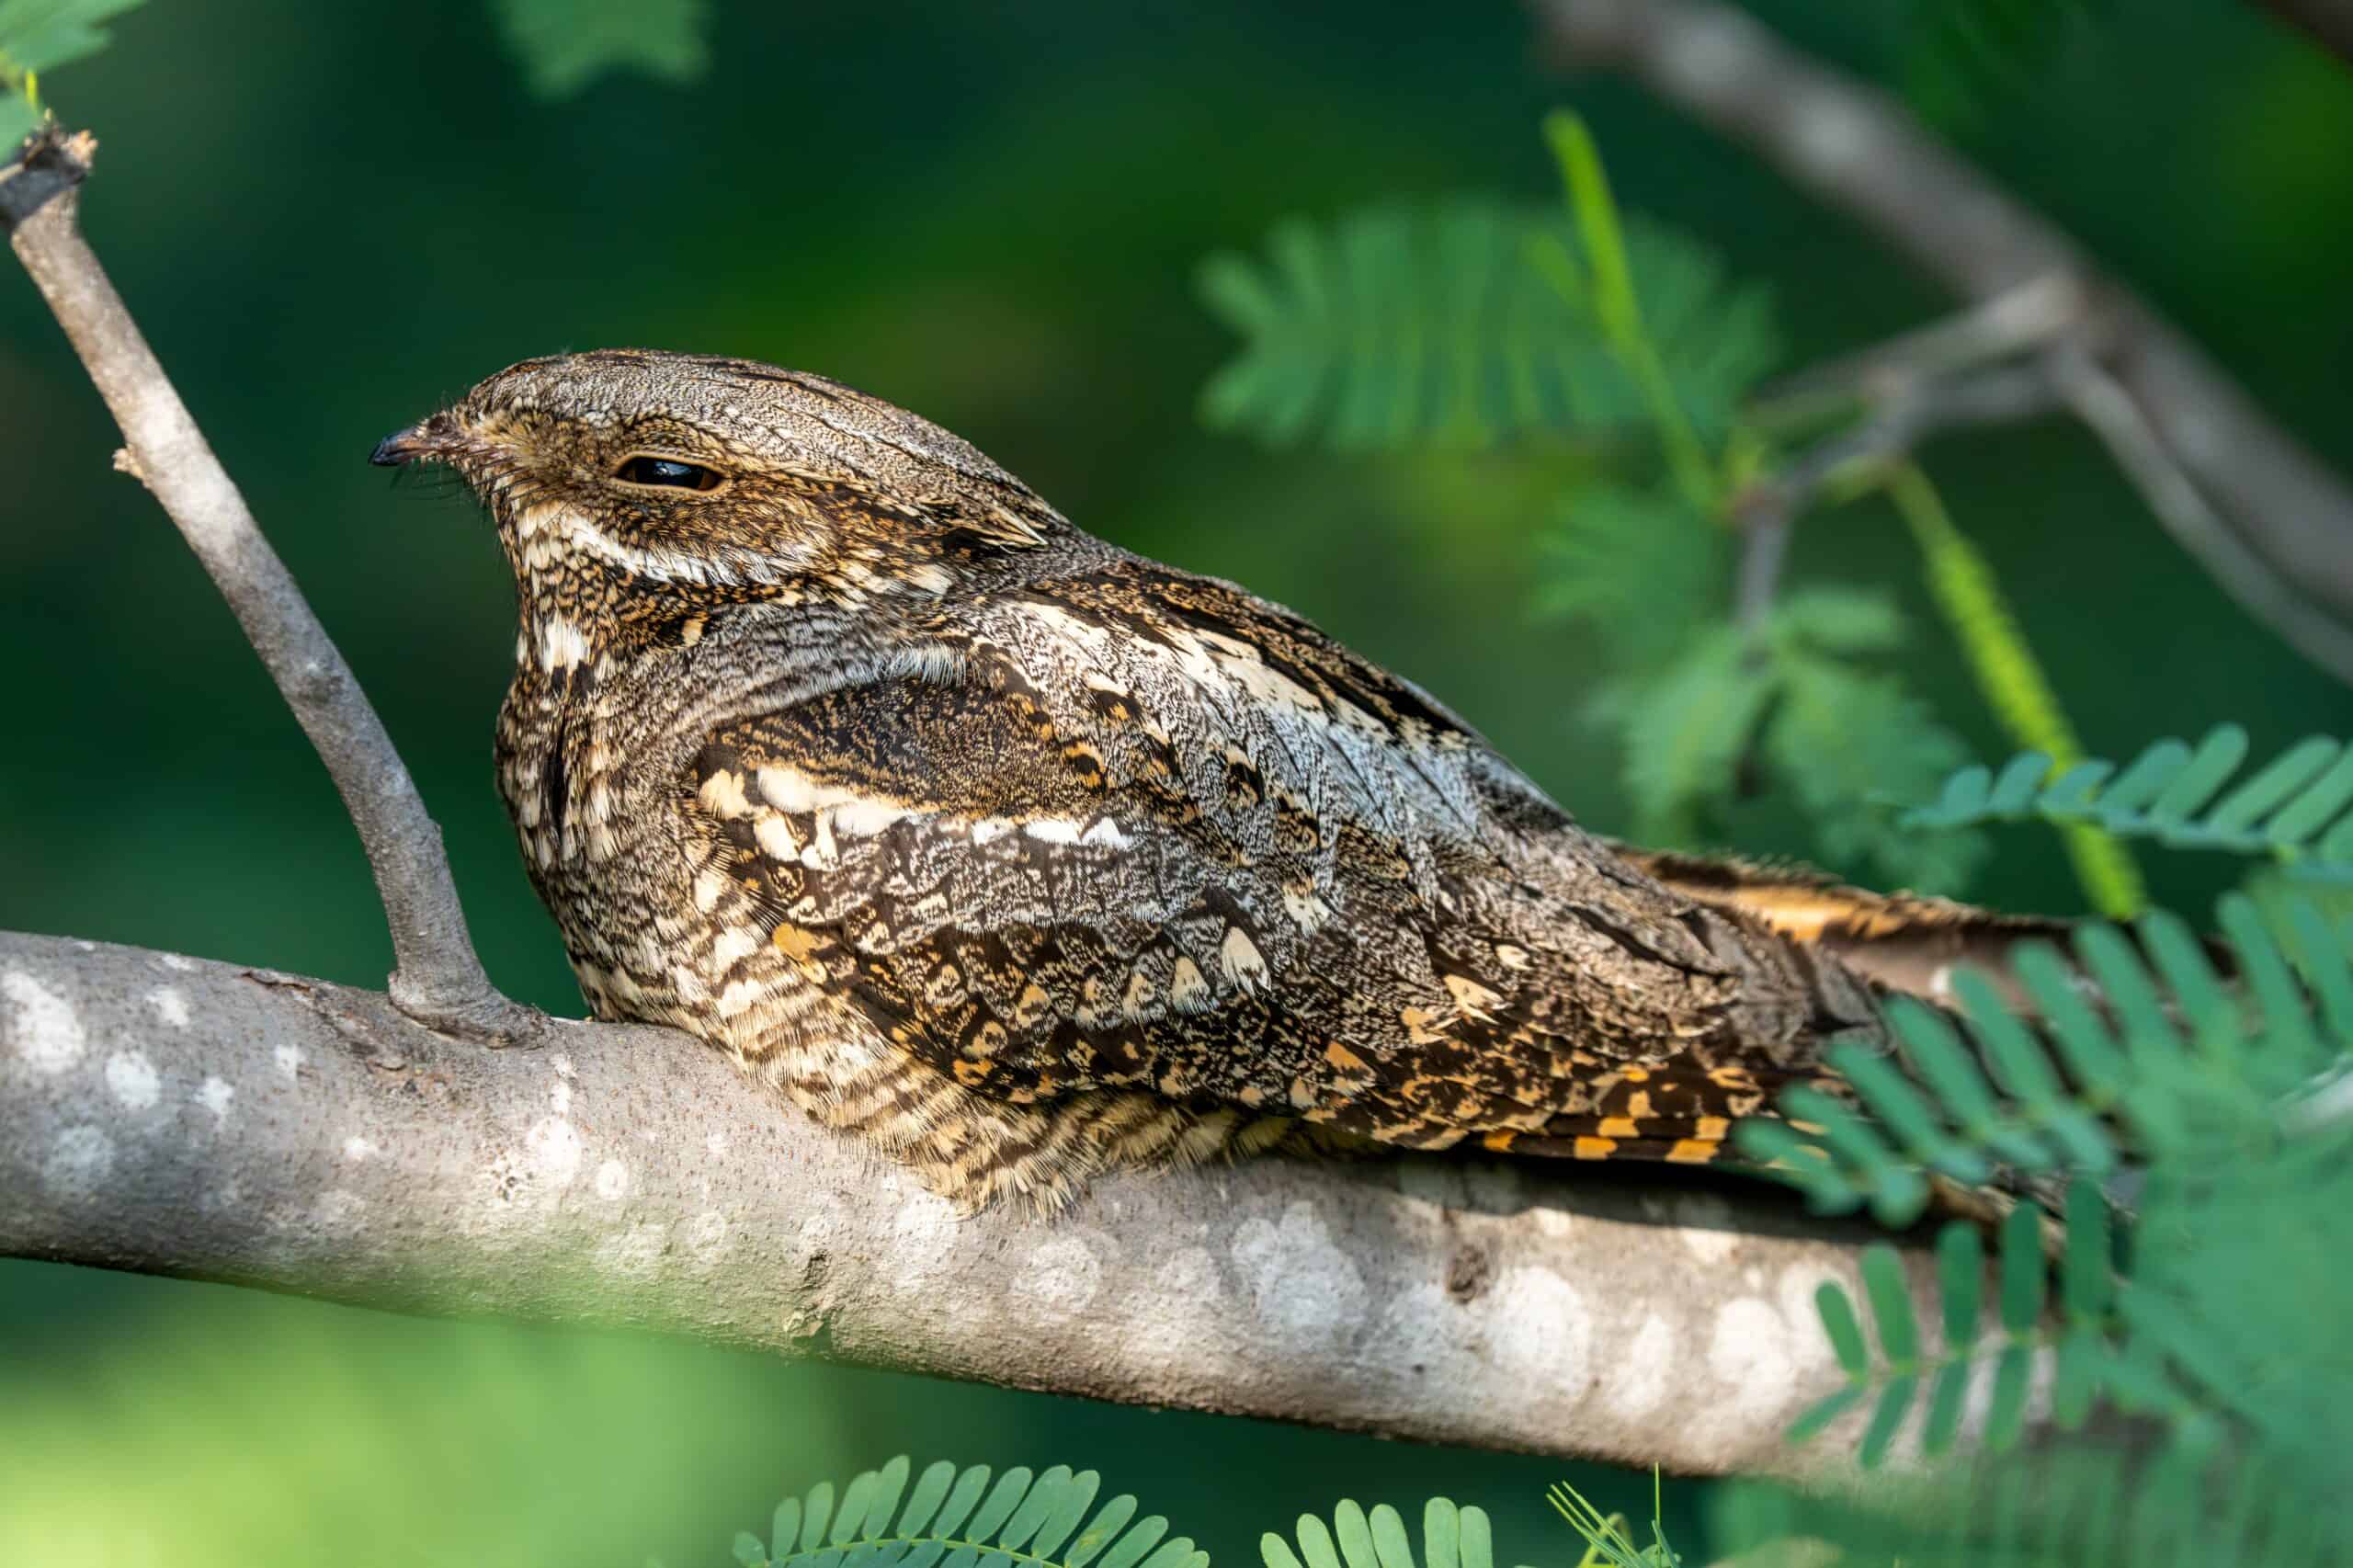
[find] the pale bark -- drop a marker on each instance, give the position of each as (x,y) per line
(185,1117)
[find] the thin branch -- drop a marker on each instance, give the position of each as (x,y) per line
(193,1119)
(1906,416)
(2283,530)
(437,977)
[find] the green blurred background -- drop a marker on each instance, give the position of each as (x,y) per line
(329,219)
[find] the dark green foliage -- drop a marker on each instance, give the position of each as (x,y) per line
(1792,709)
(42,35)
(2294,809)
(958,1519)
(564,45)
(1960,57)
(1399,326)
(2085,1509)
(2214,1314)
(1640,564)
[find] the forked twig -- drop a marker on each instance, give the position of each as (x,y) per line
(436,978)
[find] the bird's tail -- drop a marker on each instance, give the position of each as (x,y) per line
(1897,944)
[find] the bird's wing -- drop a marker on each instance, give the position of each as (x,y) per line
(1137,828)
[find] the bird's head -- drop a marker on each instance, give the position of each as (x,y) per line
(701,479)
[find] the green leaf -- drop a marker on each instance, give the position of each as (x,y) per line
(1839,1321)
(1961,1280)
(1441,1534)
(2005,1412)
(1478,1539)
(748,1551)
(1046,1495)
(1010,1488)
(1824,1411)
(37,36)
(1641,566)
(890,1481)
(1685,731)
(2022,1268)
(1132,1546)
(2294,807)
(2088,1283)
(2027,1075)
(817,1512)
(931,1488)
(1099,1533)
(564,45)
(1388,1543)
(959,1503)
(1398,324)
(1069,1509)
(1896,1102)
(1898,1193)
(785,1528)
(1890,1299)
(1354,1534)
(2076,1376)
(1887,1419)
(1948,1401)
(1843,739)
(1790,1157)
(856,1499)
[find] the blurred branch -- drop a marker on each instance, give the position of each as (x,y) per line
(2273,526)
(193,1118)
(2327,23)
(1905,415)
(436,978)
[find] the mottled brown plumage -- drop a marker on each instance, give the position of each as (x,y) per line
(832,744)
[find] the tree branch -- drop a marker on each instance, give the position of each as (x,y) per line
(2280,539)
(193,1118)
(2327,23)
(163,1115)
(437,977)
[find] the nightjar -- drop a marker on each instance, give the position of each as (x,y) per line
(833,745)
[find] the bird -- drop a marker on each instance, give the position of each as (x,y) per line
(1023,857)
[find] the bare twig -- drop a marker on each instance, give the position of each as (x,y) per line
(1906,416)
(2277,527)
(193,1118)
(436,978)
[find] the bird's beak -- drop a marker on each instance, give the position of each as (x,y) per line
(428,438)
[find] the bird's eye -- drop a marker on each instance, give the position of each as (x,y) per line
(668,473)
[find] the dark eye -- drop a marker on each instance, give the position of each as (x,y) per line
(668,472)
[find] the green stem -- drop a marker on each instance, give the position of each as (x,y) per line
(2011,679)
(1616,307)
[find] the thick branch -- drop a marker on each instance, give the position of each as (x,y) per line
(173,1117)
(436,978)
(2284,548)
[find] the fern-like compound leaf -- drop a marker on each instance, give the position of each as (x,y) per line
(2294,809)
(564,45)
(1451,1538)
(1397,325)
(956,1519)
